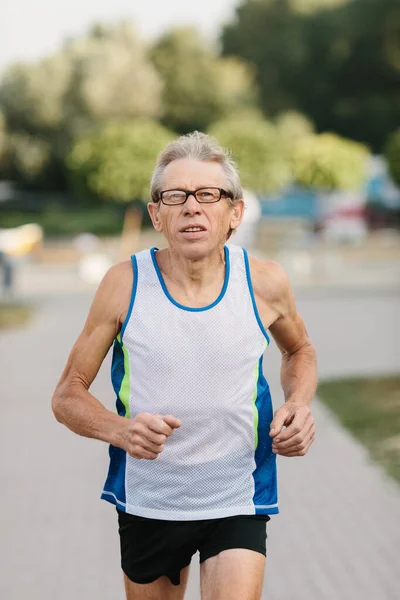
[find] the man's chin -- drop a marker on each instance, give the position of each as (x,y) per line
(194,249)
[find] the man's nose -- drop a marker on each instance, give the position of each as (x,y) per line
(191,205)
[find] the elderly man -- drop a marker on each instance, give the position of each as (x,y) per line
(193,446)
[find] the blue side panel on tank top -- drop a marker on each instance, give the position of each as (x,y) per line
(115,483)
(265,472)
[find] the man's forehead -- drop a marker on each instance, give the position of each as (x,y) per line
(191,173)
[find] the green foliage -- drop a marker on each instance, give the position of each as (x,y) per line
(328,162)
(198,86)
(31,94)
(257,148)
(2,134)
(186,67)
(235,85)
(370,409)
(392,154)
(117,160)
(30,157)
(112,77)
(310,6)
(269,34)
(92,80)
(292,126)
(3,143)
(340,64)
(56,220)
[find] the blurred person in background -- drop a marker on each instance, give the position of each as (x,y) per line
(7,266)
(193,446)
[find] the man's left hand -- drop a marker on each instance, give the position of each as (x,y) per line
(299,432)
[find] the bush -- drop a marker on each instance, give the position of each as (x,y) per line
(62,221)
(329,162)
(258,150)
(115,163)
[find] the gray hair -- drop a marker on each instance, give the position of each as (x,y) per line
(201,147)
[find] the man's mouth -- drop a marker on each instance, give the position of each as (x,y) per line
(193,228)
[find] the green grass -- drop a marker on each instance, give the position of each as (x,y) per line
(370,409)
(56,220)
(14,314)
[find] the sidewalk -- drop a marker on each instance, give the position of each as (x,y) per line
(338,534)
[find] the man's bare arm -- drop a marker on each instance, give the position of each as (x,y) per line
(73,404)
(299,365)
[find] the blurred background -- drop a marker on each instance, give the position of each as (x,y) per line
(306,95)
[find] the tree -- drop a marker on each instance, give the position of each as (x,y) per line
(92,79)
(328,162)
(270,35)
(235,85)
(115,162)
(355,69)
(392,154)
(112,77)
(31,94)
(198,86)
(311,6)
(338,64)
(30,159)
(257,148)
(292,126)
(104,75)
(2,140)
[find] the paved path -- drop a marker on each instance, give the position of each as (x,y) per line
(338,534)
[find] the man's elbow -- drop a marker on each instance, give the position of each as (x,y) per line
(308,353)
(309,348)
(56,406)
(58,402)
(303,349)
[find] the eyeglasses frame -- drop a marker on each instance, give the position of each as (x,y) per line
(193,193)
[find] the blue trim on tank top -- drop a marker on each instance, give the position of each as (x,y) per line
(202,308)
(253,300)
(115,482)
(133,295)
(264,475)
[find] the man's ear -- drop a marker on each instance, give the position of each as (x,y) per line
(238,208)
(154,210)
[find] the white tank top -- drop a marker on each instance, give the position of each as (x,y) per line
(204,366)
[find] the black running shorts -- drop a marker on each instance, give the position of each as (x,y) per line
(151,548)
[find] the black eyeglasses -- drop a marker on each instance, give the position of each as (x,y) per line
(203,196)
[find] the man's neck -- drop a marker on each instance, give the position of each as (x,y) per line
(192,275)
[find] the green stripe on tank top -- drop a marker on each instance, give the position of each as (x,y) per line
(125,390)
(256,374)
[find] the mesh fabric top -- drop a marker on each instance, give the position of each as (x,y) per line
(203,366)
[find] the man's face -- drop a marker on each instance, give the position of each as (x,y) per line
(215,219)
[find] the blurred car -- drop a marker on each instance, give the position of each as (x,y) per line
(346,225)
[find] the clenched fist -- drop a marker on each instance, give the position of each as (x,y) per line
(145,435)
(299,432)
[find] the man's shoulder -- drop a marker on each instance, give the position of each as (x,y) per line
(119,273)
(113,294)
(117,282)
(268,278)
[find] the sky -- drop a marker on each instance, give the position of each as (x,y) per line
(30,29)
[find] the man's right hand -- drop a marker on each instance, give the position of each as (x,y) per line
(145,435)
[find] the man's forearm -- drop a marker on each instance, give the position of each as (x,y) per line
(80,411)
(299,375)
